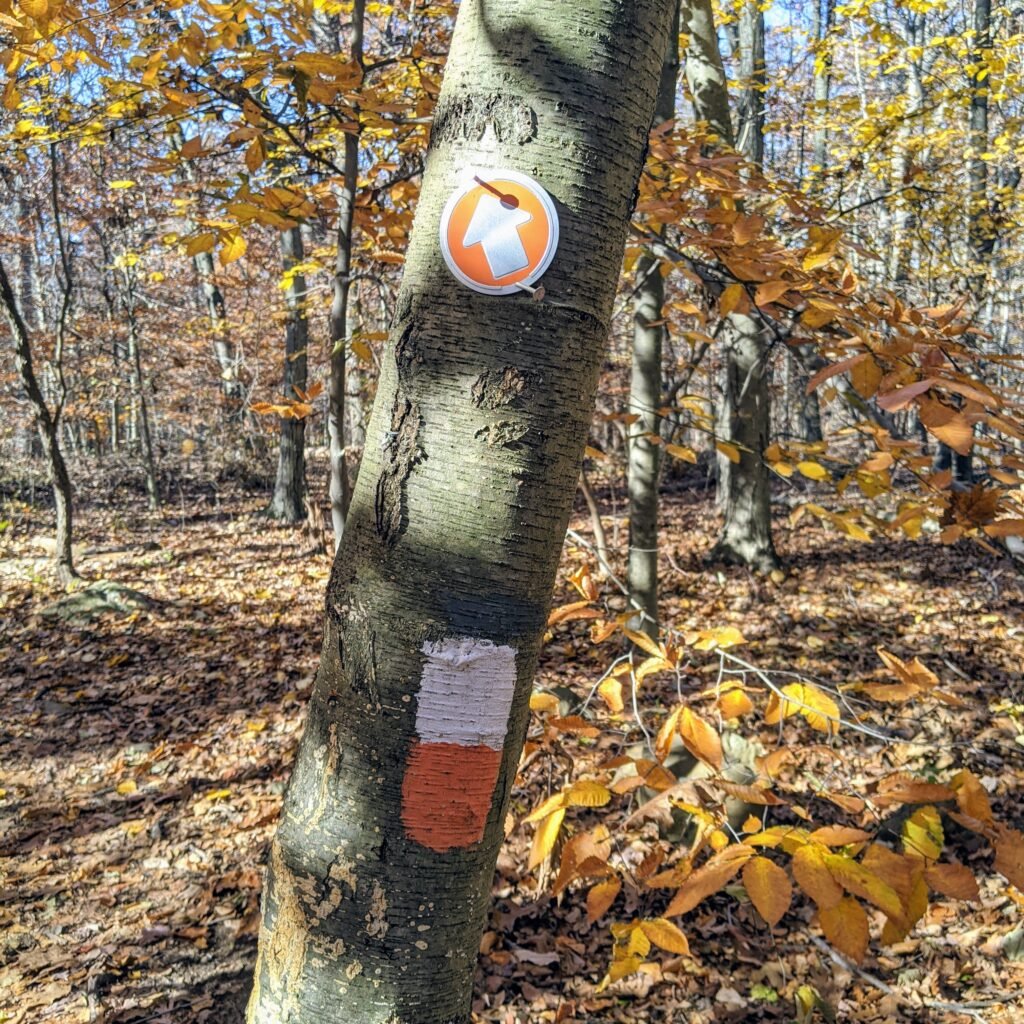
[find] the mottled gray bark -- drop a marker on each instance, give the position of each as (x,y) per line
(287,503)
(380,872)
(744,412)
(645,396)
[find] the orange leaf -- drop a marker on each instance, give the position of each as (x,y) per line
(953,880)
(601,897)
(1009,846)
(769,291)
(768,887)
(859,881)
(839,835)
(707,880)
(700,738)
(949,425)
(846,926)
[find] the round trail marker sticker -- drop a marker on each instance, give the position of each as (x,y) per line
(499,231)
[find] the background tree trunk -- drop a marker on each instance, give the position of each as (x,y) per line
(380,872)
(287,502)
(744,413)
(645,397)
(49,428)
(338,485)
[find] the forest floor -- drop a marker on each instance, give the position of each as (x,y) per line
(144,752)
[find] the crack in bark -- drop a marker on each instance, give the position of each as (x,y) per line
(390,508)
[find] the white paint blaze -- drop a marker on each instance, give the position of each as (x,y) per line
(466,692)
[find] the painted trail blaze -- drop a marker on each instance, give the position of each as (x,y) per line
(461,720)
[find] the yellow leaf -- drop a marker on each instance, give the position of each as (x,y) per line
(821,712)
(126,787)
(622,968)
(859,881)
(663,741)
(709,639)
(813,876)
(700,738)
(601,897)
(846,926)
(573,610)
(816,259)
(232,248)
(611,693)
(543,702)
(362,351)
(549,806)
(587,793)
(645,643)
(730,451)
(681,452)
(544,840)
(731,298)
(922,833)
(121,184)
(768,887)
(201,243)
(813,470)
(665,935)
(651,666)
(734,704)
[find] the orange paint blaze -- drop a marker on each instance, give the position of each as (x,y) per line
(447,793)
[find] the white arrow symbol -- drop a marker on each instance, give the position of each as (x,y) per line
(495,226)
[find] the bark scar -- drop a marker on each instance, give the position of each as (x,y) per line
(402,453)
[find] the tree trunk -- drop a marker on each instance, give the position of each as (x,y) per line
(287,502)
(49,427)
(338,319)
(981,226)
(750,136)
(380,872)
(223,350)
(645,396)
(821,28)
(744,414)
(138,390)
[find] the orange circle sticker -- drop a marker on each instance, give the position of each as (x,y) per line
(499,231)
